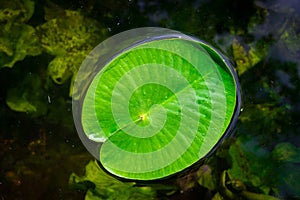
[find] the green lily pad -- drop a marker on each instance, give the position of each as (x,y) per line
(158,107)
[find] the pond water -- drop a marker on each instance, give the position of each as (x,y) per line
(42,45)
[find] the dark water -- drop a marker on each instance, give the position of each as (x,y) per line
(39,144)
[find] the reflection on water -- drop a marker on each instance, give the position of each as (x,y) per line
(42,46)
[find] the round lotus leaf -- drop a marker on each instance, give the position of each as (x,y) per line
(153,102)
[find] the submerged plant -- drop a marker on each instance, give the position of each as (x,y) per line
(28,96)
(69,36)
(17,39)
(100,185)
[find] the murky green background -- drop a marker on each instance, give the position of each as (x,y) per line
(42,44)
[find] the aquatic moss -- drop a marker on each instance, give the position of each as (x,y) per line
(100,185)
(17,39)
(13,11)
(69,36)
(247,56)
(263,169)
(28,96)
